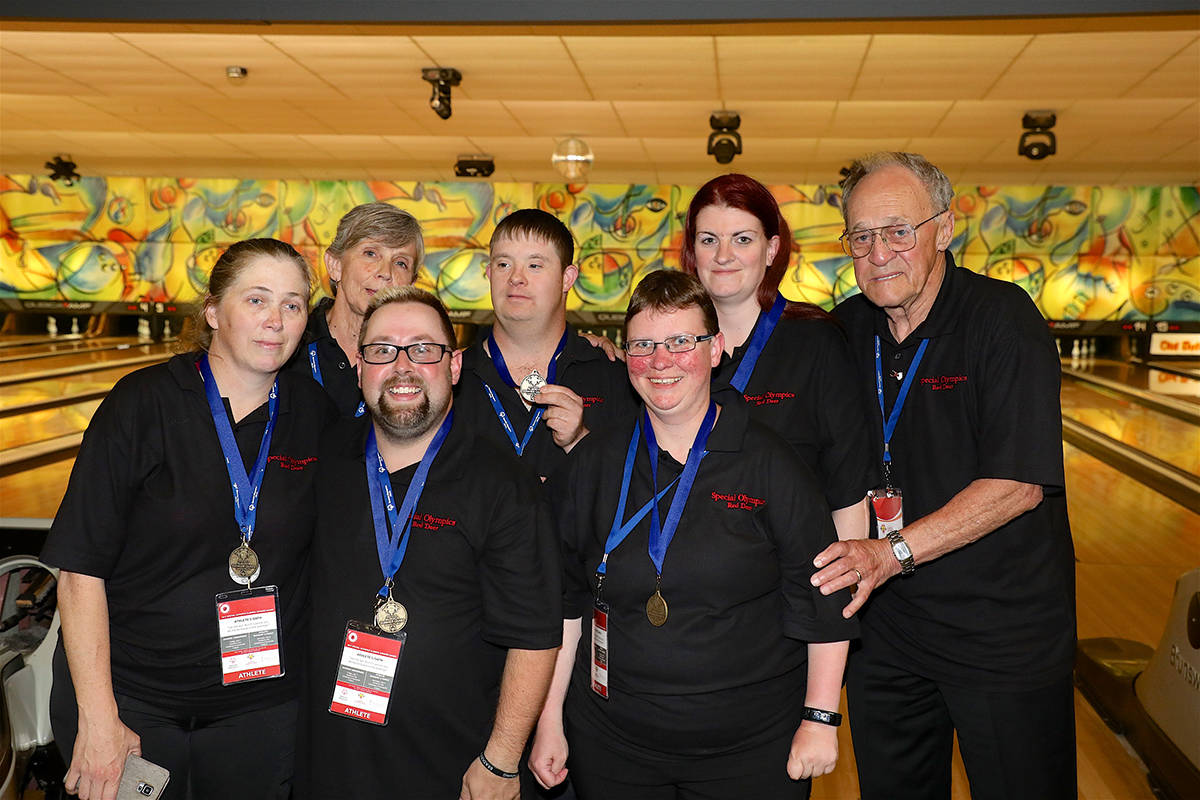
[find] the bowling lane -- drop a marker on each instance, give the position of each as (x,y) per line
(48,423)
(52,390)
(71,363)
(22,340)
(1160,383)
(1119,417)
(35,492)
(52,347)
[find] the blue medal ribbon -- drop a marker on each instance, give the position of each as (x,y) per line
(502,370)
(661,535)
(763,329)
(619,530)
(890,420)
(245,487)
(316,373)
(391,548)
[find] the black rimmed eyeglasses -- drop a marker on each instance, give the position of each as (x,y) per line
(898,238)
(679,343)
(418,352)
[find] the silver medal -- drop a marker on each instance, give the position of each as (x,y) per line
(531,384)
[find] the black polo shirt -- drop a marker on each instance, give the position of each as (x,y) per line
(999,612)
(338,375)
(149,509)
(804,388)
(481,575)
(728,670)
(608,399)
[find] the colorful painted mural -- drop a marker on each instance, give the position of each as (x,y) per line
(1083,253)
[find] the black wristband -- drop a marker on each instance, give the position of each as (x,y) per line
(824,717)
(492,768)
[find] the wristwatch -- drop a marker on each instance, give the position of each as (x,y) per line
(902,553)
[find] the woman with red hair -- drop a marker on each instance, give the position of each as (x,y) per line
(788,360)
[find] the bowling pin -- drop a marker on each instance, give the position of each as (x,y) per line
(1075,350)
(1058,344)
(166,329)
(75,325)
(52,326)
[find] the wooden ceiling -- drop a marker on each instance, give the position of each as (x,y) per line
(348,102)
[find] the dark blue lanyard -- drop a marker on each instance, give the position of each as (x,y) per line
(245,487)
(758,340)
(316,373)
(502,369)
(392,548)
(618,531)
(890,420)
(661,535)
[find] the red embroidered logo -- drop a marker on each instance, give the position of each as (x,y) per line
(293,464)
(738,500)
(941,383)
(588,402)
(432,522)
(769,398)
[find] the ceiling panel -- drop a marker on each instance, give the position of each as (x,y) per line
(346,101)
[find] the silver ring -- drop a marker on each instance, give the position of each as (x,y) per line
(859,574)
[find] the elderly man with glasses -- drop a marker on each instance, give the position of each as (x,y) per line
(435,583)
(967,588)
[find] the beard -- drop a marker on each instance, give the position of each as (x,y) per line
(401,423)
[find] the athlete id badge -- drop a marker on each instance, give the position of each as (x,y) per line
(366,670)
(600,648)
(248,624)
(888,503)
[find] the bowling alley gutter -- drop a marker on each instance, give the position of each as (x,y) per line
(1164,478)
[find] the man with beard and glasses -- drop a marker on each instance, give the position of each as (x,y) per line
(436,600)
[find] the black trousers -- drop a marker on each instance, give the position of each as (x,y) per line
(1014,744)
(600,773)
(246,756)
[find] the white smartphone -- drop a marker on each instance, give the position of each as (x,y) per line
(142,779)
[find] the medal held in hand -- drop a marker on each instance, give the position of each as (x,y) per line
(531,384)
(244,566)
(391,616)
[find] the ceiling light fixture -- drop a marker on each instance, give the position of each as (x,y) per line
(573,159)
(62,169)
(236,74)
(724,142)
(479,165)
(1038,141)
(441,78)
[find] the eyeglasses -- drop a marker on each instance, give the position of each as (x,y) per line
(418,353)
(679,343)
(898,238)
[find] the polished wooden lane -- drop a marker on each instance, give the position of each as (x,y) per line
(23,340)
(32,395)
(48,423)
(69,364)
(35,493)
(53,347)
(1153,432)
(1169,386)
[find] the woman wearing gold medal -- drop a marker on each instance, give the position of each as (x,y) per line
(699,659)
(183,541)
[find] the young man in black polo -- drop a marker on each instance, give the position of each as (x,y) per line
(970,628)
(435,584)
(532,384)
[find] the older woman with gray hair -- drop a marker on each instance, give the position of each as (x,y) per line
(376,246)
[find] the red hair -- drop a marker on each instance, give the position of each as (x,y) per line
(746,194)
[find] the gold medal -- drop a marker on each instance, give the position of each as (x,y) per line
(531,384)
(656,609)
(391,617)
(244,566)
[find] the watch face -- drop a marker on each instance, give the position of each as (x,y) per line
(901,550)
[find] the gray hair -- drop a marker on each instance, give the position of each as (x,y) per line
(933,179)
(389,225)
